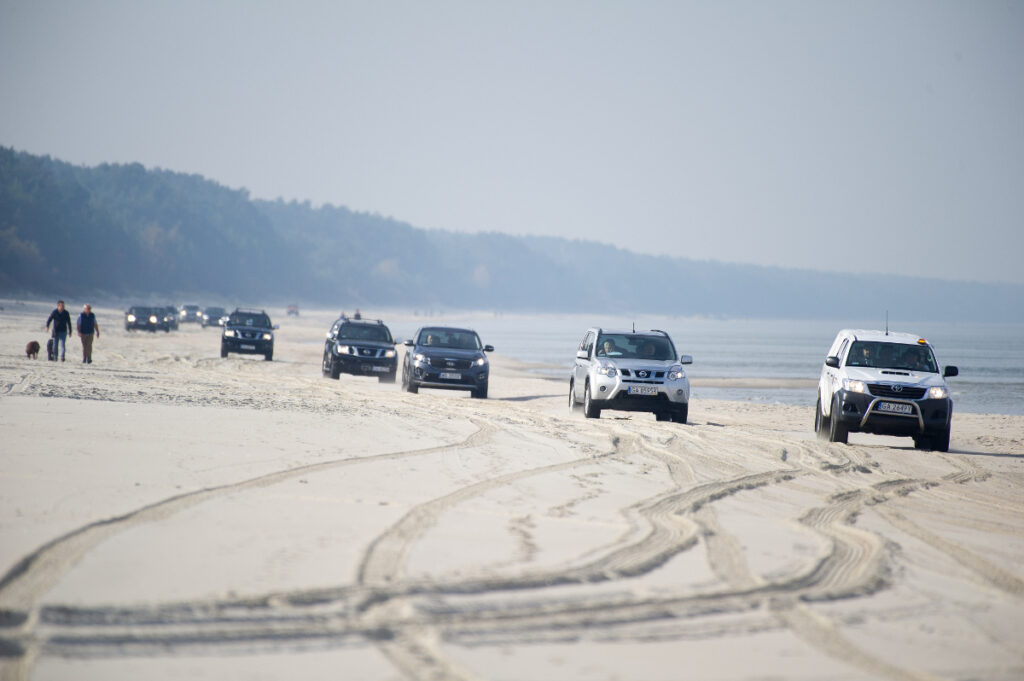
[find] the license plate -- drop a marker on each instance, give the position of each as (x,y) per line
(643,390)
(248,347)
(894,408)
(381,369)
(450,376)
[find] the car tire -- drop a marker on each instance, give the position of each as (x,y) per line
(820,427)
(387,378)
(223,351)
(837,431)
(573,404)
(589,409)
(939,440)
(662,416)
(409,384)
(480,393)
(681,414)
(268,356)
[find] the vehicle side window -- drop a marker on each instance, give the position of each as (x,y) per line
(588,341)
(842,349)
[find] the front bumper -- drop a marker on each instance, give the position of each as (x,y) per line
(243,346)
(626,394)
(456,379)
(361,366)
(862,412)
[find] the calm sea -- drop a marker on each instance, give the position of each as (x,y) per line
(990,356)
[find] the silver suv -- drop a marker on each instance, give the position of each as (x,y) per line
(630,371)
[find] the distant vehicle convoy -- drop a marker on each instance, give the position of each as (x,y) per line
(630,371)
(884,383)
(878,382)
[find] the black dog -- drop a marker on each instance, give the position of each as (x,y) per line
(32,350)
(50,352)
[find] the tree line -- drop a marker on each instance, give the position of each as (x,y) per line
(125,230)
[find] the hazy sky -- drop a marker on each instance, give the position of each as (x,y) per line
(857,135)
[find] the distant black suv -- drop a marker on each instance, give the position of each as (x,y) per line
(145,318)
(361,347)
(248,332)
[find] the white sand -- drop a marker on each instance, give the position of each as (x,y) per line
(167,514)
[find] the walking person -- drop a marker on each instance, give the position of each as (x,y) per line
(61,320)
(88,327)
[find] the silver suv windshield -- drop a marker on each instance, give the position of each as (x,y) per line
(635,346)
(880,355)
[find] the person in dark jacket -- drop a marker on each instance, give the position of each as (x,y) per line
(61,320)
(88,328)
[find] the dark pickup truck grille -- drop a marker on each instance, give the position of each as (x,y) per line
(904,392)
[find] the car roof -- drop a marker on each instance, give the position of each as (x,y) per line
(446,328)
(629,332)
(882,336)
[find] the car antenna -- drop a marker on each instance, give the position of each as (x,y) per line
(634,326)
(886,322)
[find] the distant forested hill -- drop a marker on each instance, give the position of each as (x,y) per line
(123,230)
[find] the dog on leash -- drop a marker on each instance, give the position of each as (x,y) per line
(32,350)
(51,352)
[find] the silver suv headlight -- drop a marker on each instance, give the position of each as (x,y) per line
(607,369)
(675,373)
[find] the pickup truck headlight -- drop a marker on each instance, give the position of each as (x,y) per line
(852,386)
(389,353)
(131,318)
(938,393)
(229,333)
(341,349)
(419,358)
(480,361)
(268,336)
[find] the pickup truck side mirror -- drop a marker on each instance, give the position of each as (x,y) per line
(276,327)
(832,361)
(408,341)
(950,371)
(686,359)
(488,348)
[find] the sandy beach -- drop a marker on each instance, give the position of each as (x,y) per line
(165,513)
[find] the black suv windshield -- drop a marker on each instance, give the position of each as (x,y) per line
(635,346)
(365,332)
(249,319)
(461,339)
(882,355)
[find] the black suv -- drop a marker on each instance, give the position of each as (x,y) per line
(445,357)
(146,318)
(362,347)
(248,332)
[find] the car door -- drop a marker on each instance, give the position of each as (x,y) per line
(584,354)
